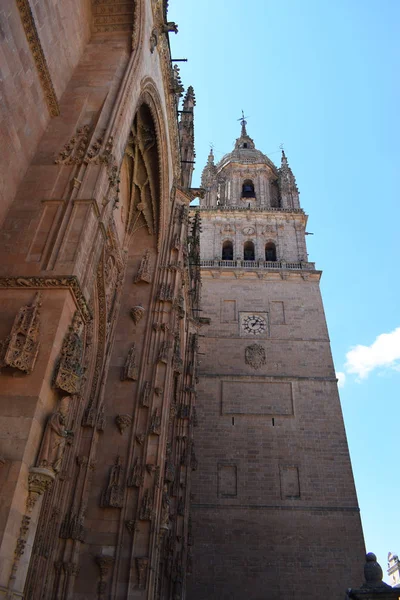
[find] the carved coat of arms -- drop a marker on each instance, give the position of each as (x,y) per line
(255,356)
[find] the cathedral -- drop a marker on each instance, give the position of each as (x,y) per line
(170,426)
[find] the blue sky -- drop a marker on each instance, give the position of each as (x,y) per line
(322,78)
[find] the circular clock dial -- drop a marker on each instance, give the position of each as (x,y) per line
(254,324)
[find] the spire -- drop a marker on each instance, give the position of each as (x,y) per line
(244,141)
(287,184)
(209,170)
(186,134)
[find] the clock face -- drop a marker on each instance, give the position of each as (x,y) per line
(254,324)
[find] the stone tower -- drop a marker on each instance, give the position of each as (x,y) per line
(274,508)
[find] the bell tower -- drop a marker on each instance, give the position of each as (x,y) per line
(274,507)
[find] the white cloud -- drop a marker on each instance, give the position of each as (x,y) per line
(341,379)
(383,352)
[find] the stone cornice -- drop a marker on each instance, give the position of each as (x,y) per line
(70,283)
(260,273)
(33,39)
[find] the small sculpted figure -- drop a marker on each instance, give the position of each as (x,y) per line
(54,438)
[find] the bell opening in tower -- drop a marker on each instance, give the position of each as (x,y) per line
(248,251)
(248,189)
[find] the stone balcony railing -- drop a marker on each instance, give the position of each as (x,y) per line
(263,208)
(257,264)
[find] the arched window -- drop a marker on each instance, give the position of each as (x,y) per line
(248,251)
(270,251)
(227,250)
(248,189)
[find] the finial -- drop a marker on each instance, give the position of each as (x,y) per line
(244,123)
(211,155)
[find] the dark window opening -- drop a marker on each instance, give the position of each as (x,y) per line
(248,251)
(248,189)
(245,145)
(227,250)
(270,251)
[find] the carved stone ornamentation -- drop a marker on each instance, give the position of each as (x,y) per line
(169,471)
(123,422)
(131,526)
(72,526)
(255,356)
(113,495)
(55,438)
(137,313)
(165,293)
(74,151)
(105,563)
(39,481)
(155,423)
(177,361)
(130,369)
(69,370)
(146,507)
(21,347)
(69,283)
(163,354)
(145,395)
(38,55)
(165,510)
(136,477)
(142,568)
(144,273)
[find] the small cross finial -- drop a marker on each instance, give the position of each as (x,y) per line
(283,151)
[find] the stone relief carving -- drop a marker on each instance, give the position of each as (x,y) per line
(165,293)
(136,477)
(33,39)
(69,369)
(105,563)
(123,422)
(145,272)
(142,568)
(155,423)
(113,495)
(163,354)
(146,507)
(21,347)
(145,395)
(255,356)
(165,510)
(54,438)
(177,361)
(74,150)
(39,481)
(72,526)
(137,313)
(130,369)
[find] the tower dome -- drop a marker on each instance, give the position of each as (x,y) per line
(247,178)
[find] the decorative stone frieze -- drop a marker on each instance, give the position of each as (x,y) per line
(33,38)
